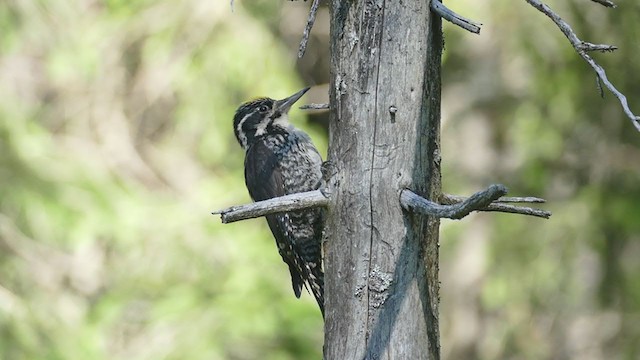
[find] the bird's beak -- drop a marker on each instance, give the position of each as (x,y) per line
(285,104)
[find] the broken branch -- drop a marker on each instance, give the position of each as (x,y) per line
(299,201)
(413,202)
(500,205)
(451,199)
(449,15)
(307,29)
(315,107)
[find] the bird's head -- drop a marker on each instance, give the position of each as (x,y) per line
(257,117)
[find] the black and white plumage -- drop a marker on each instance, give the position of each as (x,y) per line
(281,160)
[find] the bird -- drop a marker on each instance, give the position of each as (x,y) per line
(281,159)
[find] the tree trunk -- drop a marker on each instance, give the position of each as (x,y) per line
(381,263)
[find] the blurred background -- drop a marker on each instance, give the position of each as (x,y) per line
(116,144)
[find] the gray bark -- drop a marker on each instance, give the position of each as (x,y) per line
(382,263)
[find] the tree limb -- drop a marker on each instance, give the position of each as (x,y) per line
(582,48)
(452,199)
(299,201)
(449,15)
(307,29)
(500,206)
(315,107)
(411,201)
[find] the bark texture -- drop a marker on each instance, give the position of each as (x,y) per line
(381,263)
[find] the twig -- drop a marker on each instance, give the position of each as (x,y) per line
(307,29)
(599,87)
(452,199)
(500,206)
(315,107)
(299,201)
(606,3)
(582,47)
(521,210)
(447,14)
(411,201)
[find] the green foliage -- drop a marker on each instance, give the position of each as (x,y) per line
(566,287)
(115,145)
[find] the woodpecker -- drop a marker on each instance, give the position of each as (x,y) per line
(281,160)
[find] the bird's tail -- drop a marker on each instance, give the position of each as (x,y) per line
(309,275)
(316,284)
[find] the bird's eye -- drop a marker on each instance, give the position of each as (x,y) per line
(263,109)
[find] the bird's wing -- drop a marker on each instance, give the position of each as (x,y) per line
(262,174)
(265,181)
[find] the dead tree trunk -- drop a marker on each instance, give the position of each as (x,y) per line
(381,263)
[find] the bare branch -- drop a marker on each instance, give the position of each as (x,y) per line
(452,199)
(299,201)
(582,48)
(521,210)
(500,206)
(606,3)
(411,201)
(447,14)
(307,29)
(599,86)
(315,107)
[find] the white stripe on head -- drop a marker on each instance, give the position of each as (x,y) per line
(241,135)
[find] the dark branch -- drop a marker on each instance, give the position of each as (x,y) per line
(447,14)
(307,29)
(500,206)
(299,201)
(413,202)
(582,48)
(606,3)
